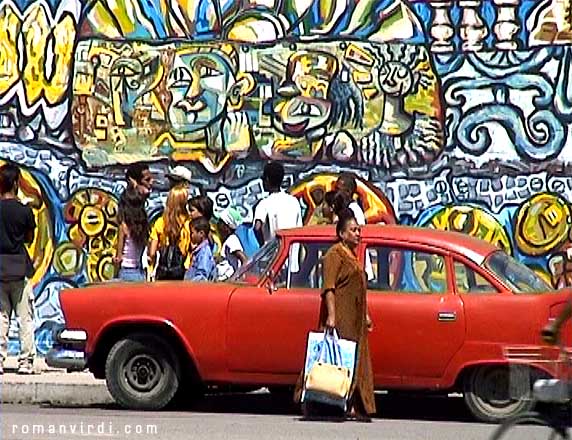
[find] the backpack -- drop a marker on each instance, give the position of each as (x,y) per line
(248,240)
(171,264)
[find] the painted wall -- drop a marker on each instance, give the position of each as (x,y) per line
(456,114)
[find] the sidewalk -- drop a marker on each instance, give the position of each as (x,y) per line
(51,385)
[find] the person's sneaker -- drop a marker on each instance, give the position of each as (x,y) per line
(25,369)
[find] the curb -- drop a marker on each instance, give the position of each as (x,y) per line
(55,393)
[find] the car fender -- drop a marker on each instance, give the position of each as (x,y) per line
(142,320)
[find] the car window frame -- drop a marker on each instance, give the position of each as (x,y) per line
(284,254)
(484,272)
(419,247)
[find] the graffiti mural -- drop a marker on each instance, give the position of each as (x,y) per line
(338,102)
(454,115)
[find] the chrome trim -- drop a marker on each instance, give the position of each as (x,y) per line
(73,360)
(69,335)
(447,316)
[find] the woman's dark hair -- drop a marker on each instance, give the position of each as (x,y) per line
(344,217)
(348,182)
(201,224)
(131,211)
(204,205)
(341,202)
(330,197)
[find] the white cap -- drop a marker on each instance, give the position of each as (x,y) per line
(180,173)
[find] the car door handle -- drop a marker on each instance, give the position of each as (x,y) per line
(447,316)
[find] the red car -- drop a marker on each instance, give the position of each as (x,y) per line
(443,304)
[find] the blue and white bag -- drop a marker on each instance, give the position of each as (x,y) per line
(328,348)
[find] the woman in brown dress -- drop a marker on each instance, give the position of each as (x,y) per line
(344,308)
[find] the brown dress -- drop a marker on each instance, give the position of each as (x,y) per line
(344,276)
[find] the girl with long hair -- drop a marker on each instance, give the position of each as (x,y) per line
(170,236)
(133,235)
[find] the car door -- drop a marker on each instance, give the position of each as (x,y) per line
(418,319)
(490,310)
(268,328)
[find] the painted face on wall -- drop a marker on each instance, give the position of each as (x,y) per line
(199,84)
(301,104)
(395,79)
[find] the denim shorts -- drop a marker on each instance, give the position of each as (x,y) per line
(131,274)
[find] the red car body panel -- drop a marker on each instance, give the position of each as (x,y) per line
(247,334)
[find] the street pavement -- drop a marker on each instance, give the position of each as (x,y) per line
(20,422)
(59,405)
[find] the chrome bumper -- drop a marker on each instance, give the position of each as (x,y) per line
(72,360)
(68,350)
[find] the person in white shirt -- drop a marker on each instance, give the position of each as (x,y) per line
(346,184)
(279,210)
(232,254)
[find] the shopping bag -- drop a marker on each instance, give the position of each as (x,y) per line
(329,368)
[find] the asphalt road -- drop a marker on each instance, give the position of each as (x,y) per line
(252,416)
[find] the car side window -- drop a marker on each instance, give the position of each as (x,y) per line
(303,267)
(469,281)
(406,270)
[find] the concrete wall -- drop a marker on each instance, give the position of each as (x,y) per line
(455,115)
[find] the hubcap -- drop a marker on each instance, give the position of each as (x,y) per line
(494,388)
(142,372)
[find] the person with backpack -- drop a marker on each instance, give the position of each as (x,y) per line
(232,254)
(202,262)
(170,237)
(133,236)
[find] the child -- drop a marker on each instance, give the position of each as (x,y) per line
(232,254)
(202,264)
(201,206)
(133,235)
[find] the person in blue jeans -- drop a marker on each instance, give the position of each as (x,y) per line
(202,266)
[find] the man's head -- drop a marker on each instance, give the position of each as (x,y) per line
(179,175)
(139,176)
(200,228)
(273,176)
(346,183)
(9,177)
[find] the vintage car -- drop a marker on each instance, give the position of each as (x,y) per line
(444,305)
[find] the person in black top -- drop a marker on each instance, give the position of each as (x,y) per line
(17,227)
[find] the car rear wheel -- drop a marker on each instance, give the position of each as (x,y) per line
(486,393)
(142,372)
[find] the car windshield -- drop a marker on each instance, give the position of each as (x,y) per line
(259,264)
(516,275)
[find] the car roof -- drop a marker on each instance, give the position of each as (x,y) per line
(456,242)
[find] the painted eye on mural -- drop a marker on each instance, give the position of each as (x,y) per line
(206,71)
(180,77)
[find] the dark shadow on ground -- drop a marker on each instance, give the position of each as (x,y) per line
(261,402)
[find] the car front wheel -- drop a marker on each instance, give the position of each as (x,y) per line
(142,372)
(488,397)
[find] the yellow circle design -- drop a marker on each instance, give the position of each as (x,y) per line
(542,224)
(473,221)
